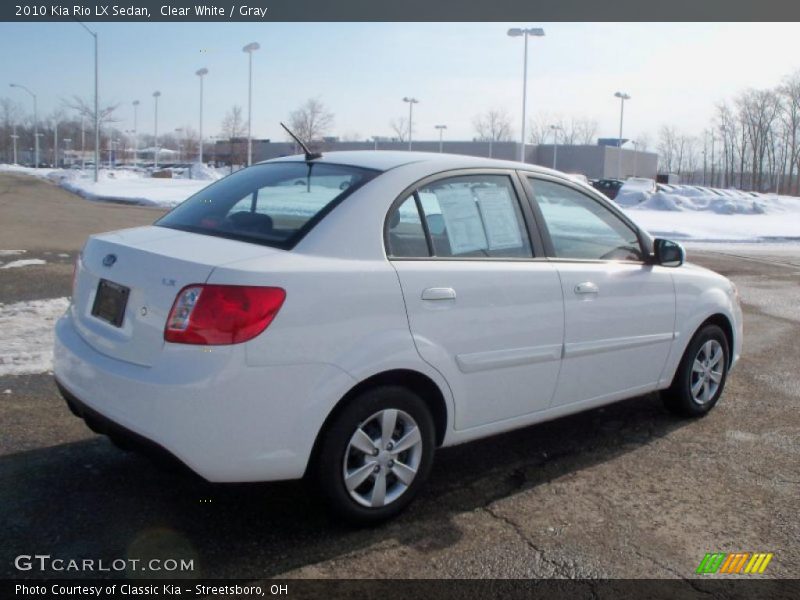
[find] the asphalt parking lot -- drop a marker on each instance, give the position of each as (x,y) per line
(626,491)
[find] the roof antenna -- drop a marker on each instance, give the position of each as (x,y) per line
(309,155)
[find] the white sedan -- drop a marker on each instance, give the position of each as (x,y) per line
(343,316)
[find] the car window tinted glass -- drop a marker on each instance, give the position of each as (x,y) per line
(272,204)
(475,216)
(406,237)
(582,228)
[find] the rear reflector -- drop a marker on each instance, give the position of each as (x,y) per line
(221,314)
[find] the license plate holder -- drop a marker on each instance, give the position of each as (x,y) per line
(110,302)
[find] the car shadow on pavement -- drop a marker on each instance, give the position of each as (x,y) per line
(88,499)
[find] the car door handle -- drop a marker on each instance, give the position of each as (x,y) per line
(587,287)
(439,293)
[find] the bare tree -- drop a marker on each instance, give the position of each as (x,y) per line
(583,131)
(10,114)
(400,128)
(86,109)
(668,148)
(790,115)
(643,142)
(311,121)
(234,127)
(493,126)
(758,110)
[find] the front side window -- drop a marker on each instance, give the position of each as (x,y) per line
(582,228)
(467,216)
(272,204)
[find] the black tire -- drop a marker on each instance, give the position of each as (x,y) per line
(329,466)
(678,398)
(120,443)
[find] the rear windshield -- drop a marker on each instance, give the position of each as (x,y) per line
(274,204)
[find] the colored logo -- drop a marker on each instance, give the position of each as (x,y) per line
(734,563)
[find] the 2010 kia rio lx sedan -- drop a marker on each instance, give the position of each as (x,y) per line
(343,316)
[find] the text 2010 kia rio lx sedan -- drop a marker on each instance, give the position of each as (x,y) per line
(343,316)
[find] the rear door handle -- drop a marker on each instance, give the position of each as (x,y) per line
(439,293)
(587,287)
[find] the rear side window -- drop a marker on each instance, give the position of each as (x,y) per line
(467,216)
(274,204)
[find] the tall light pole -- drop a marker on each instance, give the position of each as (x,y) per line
(441,129)
(517,32)
(55,143)
(135,132)
(35,124)
(179,131)
(411,103)
(713,166)
(15,137)
(83,143)
(66,149)
(622,97)
(556,129)
(96,107)
(249,49)
(201,73)
(156,96)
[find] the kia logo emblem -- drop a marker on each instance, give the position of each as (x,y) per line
(109,260)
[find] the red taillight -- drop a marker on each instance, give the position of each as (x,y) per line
(221,314)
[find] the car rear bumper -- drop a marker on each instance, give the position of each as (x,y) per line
(205,406)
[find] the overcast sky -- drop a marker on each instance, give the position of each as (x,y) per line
(675,73)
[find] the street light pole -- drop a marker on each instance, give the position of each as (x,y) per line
(156,96)
(411,103)
(622,97)
(83,143)
(67,142)
(441,129)
(179,131)
(135,132)
(555,129)
(55,143)
(249,49)
(35,124)
(517,32)
(96,106)
(713,174)
(15,137)
(201,73)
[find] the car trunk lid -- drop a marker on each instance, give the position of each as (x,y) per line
(145,269)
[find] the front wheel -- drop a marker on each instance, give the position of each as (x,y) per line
(701,375)
(376,454)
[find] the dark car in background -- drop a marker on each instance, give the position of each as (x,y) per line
(609,187)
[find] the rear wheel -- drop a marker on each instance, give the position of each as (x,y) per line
(701,375)
(376,454)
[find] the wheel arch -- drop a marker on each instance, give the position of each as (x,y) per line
(723,322)
(415,381)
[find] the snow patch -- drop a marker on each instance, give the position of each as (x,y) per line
(27,262)
(27,335)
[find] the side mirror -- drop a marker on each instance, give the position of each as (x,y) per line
(668,253)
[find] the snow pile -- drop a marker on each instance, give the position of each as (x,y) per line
(26,335)
(721,202)
(202,172)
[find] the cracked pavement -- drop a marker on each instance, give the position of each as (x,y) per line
(626,491)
